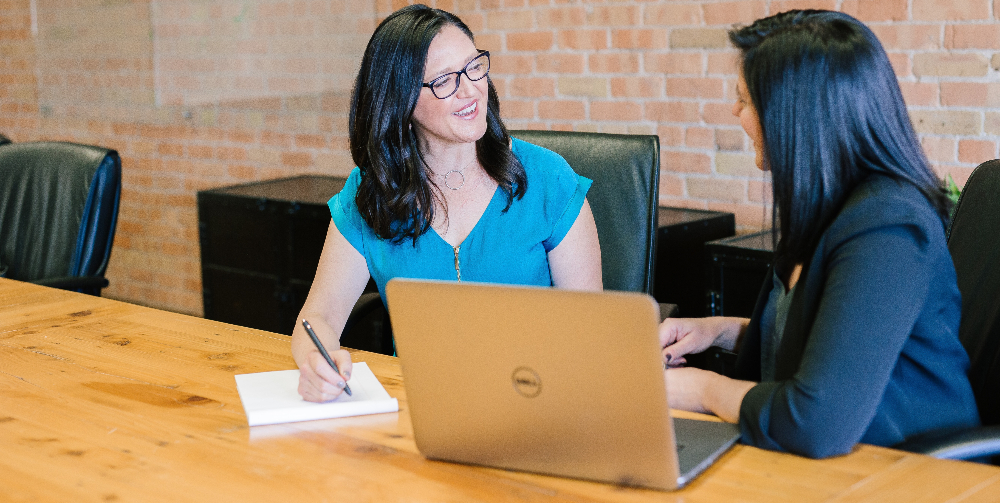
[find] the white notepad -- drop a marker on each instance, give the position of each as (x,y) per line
(273,397)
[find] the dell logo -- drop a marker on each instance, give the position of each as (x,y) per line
(526,382)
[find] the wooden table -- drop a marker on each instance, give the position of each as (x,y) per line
(106,401)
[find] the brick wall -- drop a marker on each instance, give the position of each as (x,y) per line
(198,94)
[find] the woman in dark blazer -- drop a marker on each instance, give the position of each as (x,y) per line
(855,333)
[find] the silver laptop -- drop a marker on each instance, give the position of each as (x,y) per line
(546,381)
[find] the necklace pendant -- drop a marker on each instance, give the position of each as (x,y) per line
(447,179)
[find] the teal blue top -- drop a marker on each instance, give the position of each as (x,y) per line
(508,247)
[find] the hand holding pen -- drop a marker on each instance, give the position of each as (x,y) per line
(316,383)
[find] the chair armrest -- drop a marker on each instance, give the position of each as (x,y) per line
(74,282)
(964,444)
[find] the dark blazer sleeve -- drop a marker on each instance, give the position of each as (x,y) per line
(861,295)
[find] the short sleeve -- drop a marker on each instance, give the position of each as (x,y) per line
(556,190)
(345,214)
(576,187)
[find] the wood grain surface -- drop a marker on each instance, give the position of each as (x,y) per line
(106,401)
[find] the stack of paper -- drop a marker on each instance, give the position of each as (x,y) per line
(273,397)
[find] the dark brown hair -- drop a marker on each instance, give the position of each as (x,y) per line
(396,195)
(831,113)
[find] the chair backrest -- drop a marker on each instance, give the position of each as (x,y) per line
(624,198)
(59,209)
(972,240)
(3,139)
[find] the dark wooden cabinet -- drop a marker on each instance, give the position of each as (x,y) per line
(737,269)
(260,245)
(680,269)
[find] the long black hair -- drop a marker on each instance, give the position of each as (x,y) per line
(831,113)
(396,195)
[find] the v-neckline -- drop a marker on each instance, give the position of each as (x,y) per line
(474,227)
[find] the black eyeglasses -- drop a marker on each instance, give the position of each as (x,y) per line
(447,84)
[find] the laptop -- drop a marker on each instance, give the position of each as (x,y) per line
(547,381)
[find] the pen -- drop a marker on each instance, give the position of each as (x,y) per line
(322,351)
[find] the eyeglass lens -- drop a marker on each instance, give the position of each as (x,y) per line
(446,85)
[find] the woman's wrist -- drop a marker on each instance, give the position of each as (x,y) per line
(730,332)
(723,396)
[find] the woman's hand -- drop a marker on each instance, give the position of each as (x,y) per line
(698,390)
(683,336)
(318,382)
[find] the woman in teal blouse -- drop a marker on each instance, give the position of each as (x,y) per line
(441,190)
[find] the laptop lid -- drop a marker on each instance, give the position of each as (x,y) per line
(537,379)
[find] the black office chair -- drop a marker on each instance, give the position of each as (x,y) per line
(972,240)
(624,199)
(58,213)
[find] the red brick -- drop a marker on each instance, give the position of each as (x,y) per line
(950,10)
(719,113)
(517,109)
(699,137)
(583,39)
(976,151)
(685,162)
(240,137)
(638,39)
(695,88)
(970,94)
(200,151)
(614,15)
(510,20)
(782,6)
(231,153)
(723,63)
(671,185)
(310,141)
(939,149)
(920,93)
(171,149)
(666,14)
(296,159)
(534,41)
(672,111)
(615,62)
(637,87)
(531,87)
(675,63)
(560,63)
(276,139)
(712,189)
(877,10)
(900,64)
(905,37)
(727,139)
(670,136)
(241,172)
(972,36)
(561,110)
(729,13)
(615,111)
(562,17)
